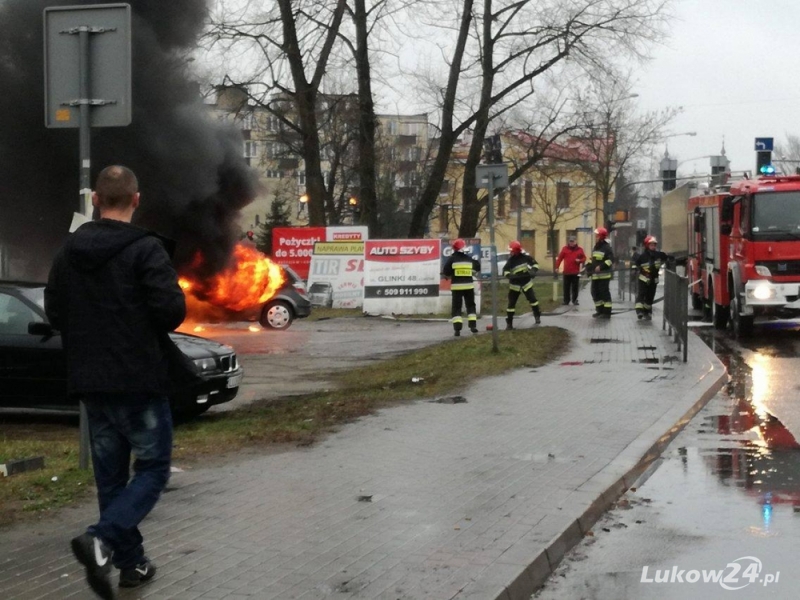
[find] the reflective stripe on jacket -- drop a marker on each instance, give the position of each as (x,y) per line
(649,264)
(518,268)
(460,268)
(603,257)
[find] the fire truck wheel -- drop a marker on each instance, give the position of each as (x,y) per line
(741,325)
(697,302)
(277,315)
(720,316)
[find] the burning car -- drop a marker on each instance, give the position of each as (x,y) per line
(33,368)
(252,288)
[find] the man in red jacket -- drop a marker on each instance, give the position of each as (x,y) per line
(573,258)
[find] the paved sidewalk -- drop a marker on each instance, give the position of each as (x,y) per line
(477,500)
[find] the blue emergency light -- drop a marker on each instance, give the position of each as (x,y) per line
(767,170)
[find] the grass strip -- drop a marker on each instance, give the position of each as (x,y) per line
(444,368)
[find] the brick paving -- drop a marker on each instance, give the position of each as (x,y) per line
(421,501)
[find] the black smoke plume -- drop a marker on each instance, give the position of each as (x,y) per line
(192,176)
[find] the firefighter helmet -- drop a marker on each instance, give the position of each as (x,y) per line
(650,239)
(515,247)
(601,232)
(458,244)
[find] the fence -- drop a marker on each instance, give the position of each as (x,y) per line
(626,282)
(676,309)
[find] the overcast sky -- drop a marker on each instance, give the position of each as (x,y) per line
(733,66)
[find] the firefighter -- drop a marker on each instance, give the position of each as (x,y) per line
(520,268)
(648,264)
(600,271)
(459,269)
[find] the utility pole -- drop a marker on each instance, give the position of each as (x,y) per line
(489,177)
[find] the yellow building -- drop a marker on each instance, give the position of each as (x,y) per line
(541,208)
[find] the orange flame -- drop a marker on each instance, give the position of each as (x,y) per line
(249,281)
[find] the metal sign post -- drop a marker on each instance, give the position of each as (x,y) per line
(488,177)
(87,58)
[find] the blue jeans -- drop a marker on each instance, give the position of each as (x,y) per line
(119,427)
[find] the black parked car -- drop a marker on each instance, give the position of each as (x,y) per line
(33,371)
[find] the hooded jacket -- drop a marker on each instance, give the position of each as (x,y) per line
(114,295)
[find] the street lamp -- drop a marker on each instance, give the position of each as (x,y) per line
(302,203)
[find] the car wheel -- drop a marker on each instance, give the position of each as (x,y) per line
(277,315)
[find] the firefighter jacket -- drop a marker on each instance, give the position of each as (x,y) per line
(460,268)
(573,258)
(649,263)
(518,268)
(602,257)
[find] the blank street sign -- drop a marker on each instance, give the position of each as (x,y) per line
(109,57)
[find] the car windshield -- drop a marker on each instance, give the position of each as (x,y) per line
(35,295)
(292,276)
(776,214)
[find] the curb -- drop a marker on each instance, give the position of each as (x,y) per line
(645,452)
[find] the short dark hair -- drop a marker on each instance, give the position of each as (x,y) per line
(116,186)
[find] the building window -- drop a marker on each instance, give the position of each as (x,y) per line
(272,149)
(273,123)
(258,220)
(301,178)
(274,174)
(444,218)
(515,198)
(562,194)
(391,127)
(553,245)
(528,193)
(250,149)
(247,122)
(501,205)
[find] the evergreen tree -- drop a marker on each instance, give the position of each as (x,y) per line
(279,216)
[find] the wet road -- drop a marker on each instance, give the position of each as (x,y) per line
(724,498)
(298,360)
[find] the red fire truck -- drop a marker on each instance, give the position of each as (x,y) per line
(744,251)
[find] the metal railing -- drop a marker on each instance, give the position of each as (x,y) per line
(626,282)
(676,309)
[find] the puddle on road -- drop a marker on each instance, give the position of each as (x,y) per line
(727,489)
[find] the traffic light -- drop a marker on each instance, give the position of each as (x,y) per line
(764,162)
(493,150)
(669,172)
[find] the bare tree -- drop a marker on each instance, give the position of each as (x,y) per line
(787,156)
(614,136)
(555,201)
(506,45)
(297,36)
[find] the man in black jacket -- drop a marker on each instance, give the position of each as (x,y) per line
(114,294)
